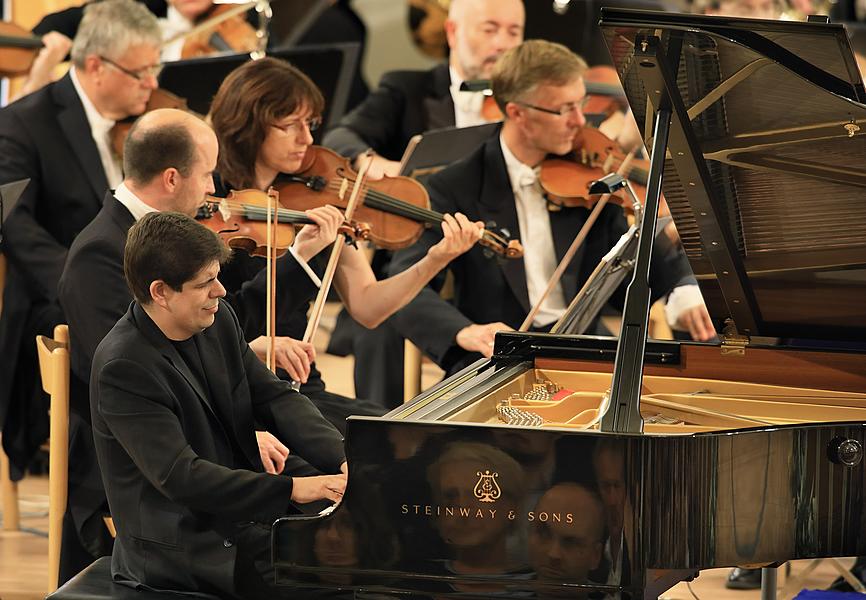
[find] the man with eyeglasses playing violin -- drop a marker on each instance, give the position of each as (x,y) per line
(540,89)
(59,138)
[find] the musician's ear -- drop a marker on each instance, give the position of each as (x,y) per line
(451,33)
(171,179)
(514,111)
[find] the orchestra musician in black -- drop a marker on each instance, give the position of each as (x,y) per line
(540,89)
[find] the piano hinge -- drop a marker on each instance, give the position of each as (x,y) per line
(733,344)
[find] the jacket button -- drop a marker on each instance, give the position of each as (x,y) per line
(228,543)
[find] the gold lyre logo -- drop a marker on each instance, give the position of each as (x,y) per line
(487,490)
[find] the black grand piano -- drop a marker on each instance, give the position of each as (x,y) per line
(575,466)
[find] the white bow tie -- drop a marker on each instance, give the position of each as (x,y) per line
(469,102)
(527,177)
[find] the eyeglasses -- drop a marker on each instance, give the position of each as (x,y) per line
(138,74)
(567,108)
(312,124)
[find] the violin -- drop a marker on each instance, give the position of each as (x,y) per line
(241,222)
(18,49)
(223,28)
(604,94)
(566,179)
(396,209)
(159,98)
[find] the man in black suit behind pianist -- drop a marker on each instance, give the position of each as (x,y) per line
(174,393)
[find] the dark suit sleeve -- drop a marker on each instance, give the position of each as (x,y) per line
(292,417)
(669,267)
(93,295)
(429,321)
(131,400)
(294,289)
(375,123)
(38,255)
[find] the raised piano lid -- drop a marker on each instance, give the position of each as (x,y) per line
(770,197)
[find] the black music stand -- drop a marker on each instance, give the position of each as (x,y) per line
(330,66)
(435,149)
(9,195)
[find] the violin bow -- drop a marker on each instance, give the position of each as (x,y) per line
(319,305)
(572,250)
(271,308)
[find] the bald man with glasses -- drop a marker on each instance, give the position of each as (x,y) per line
(539,87)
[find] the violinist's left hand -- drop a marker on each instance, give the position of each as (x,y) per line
(459,234)
(312,239)
(272,452)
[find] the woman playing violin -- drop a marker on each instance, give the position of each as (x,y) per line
(263,115)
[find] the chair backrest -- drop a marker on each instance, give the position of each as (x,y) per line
(54,369)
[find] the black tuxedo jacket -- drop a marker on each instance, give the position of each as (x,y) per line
(44,136)
(488,288)
(405,104)
(180,462)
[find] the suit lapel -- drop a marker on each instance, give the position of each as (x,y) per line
(497,210)
(75,127)
(438,104)
(233,413)
(158,339)
(565,224)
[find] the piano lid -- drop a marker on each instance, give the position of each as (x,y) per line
(767,183)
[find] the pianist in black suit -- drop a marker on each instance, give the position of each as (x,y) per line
(175,391)
(540,88)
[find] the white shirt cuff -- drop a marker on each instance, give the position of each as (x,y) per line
(309,271)
(680,300)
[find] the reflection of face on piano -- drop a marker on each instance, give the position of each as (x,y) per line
(479,540)
(560,551)
(610,475)
(334,543)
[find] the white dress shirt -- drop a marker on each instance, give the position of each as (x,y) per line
(133,203)
(536,235)
(467,105)
(100,129)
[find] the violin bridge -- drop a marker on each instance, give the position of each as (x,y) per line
(344,188)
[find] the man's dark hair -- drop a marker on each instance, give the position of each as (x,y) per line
(150,150)
(171,247)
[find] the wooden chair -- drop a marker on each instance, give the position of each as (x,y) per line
(412,358)
(54,368)
(8,491)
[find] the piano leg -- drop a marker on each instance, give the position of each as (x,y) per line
(768,583)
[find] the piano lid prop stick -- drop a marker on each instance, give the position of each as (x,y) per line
(572,250)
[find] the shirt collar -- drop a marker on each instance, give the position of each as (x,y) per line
(456,80)
(517,171)
(133,203)
(97,122)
